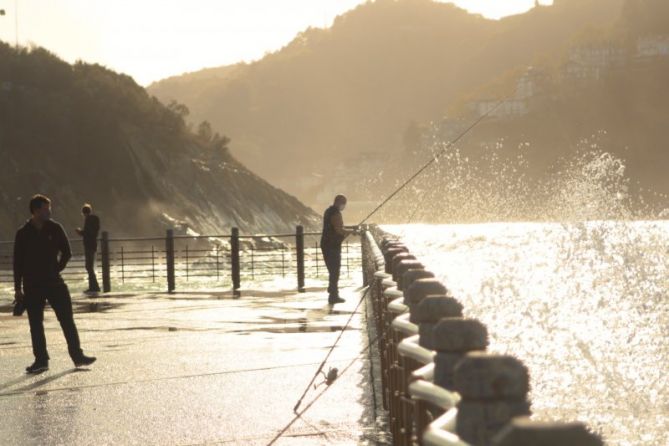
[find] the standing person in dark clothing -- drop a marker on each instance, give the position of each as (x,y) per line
(334,234)
(37,268)
(90,235)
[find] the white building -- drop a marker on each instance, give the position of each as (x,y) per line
(594,60)
(652,46)
(527,87)
(510,107)
(530,83)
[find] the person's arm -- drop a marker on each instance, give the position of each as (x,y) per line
(64,248)
(18,262)
(338,225)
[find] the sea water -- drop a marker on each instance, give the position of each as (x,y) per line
(584,305)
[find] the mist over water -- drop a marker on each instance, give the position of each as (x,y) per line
(489,185)
(580,295)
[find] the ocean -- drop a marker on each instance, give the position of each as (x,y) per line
(584,305)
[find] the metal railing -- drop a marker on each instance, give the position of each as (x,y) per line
(440,387)
(212,261)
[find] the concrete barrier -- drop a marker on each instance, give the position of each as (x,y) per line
(428,313)
(493,390)
(524,432)
(453,339)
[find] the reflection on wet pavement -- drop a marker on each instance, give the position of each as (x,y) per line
(185,368)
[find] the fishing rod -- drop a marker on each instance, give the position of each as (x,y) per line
(299,414)
(433,159)
(330,380)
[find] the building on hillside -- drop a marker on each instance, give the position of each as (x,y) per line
(652,46)
(592,61)
(508,108)
(530,84)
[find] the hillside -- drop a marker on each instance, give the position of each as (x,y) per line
(82,133)
(334,94)
(595,114)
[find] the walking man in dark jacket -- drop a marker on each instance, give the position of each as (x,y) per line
(334,234)
(90,235)
(41,252)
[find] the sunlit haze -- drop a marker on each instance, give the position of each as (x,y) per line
(153,39)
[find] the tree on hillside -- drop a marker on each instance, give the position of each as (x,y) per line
(204,131)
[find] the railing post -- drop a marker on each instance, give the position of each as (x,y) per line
(169,260)
(493,390)
(104,252)
(234,257)
(299,247)
(367,268)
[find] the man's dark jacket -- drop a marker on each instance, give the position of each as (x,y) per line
(90,232)
(36,260)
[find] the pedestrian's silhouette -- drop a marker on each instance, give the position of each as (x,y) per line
(333,235)
(41,252)
(90,235)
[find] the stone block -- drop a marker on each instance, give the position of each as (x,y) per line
(403,266)
(422,288)
(458,335)
(482,376)
(478,422)
(524,432)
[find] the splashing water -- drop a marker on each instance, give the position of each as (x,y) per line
(580,295)
(490,185)
(584,305)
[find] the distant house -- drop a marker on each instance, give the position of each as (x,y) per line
(530,83)
(592,61)
(510,107)
(652,46)
(528,86)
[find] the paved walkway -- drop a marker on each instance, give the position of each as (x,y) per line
(190,368)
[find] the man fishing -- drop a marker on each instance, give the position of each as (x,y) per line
(41,252)
(334,234)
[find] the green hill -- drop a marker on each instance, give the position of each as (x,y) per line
(82,133)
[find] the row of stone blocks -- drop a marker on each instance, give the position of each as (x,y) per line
(493,389)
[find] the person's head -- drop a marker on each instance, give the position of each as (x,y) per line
(340,202)
(40,207)
(86,209)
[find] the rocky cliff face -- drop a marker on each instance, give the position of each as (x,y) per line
(85,134)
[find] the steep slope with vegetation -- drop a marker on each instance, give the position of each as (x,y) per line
(84,133)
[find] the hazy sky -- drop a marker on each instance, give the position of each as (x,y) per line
(153,39)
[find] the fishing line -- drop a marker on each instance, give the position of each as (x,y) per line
(298,415)
(383,203)
(320,367)
(433,159)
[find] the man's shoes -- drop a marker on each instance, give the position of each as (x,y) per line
(335,300)
(92,290)
(19,308)
(37,367)
(84,360)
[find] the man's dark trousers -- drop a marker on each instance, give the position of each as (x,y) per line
(89,256)
(59,298)
(332,257)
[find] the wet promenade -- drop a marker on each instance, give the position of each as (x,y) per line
(189,369)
